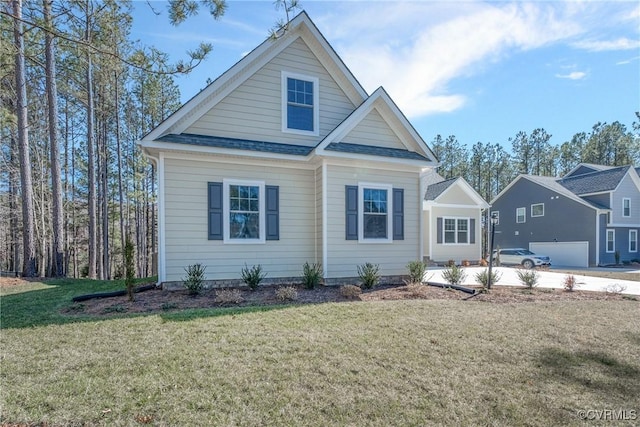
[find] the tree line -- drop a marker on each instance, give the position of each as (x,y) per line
(76,93)
(490,167)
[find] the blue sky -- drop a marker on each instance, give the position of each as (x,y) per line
(479,70)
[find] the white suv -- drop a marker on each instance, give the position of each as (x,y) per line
(520,256)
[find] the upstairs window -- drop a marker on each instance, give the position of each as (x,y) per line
(521,215)
(537,210)
(626,207)
(299,104)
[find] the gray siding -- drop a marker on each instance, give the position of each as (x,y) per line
(603,200)
(564,220)
(626,189)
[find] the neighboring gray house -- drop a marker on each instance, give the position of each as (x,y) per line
(582,219)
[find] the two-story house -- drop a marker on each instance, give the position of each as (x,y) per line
(581,219)
(286,159)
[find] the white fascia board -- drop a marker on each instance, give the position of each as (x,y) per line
(507,188)
(374,160)
(469,191)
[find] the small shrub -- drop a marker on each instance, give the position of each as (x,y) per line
(368,274)
(466,263)
(253,276)
(194,282)
(528,278)
(169,306)
(483,263)
(616,255)
(129,265)
(569,282)
(311,275)
(454,275)
(287,293)
(451,263)
(417,270)
(483,277)
(350,291)
(229,296)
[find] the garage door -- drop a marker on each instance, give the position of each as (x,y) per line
(566,254)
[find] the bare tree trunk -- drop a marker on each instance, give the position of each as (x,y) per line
(28,242)
(119,154)
(14,253)
(106,269)
(56,183)
(91,156)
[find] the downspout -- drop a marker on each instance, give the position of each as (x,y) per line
(420,218)
(597,238)
(159,163)
(325,232)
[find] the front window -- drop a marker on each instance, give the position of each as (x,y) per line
(375,219)
(244,211)
(456,230)
(626,207)
(537,209)
(611,241)
(633,240)
(299,104)
(521,215)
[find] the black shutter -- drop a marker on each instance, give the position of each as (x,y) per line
(272,218)
(398,214)
(472,230)
(351,204)
(439,230)
(215,210)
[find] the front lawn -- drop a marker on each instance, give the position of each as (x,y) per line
(411,362)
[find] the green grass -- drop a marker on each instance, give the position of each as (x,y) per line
(377,363)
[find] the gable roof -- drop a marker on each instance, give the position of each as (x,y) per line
(589,166)
(595,182)
(437,190)
(392,113)
(552,184)
(300,26)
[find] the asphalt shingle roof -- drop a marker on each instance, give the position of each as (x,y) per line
(434,190)
(595,182)
(237,144)
(397,153)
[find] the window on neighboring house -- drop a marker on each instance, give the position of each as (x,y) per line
(633,240)
(242,211)
(626,207)
(537,210)
(521,215)
(456,230)
(299,104)
(374,213)
(497,213)
(611,241)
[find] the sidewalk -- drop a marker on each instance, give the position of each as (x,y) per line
(548,279)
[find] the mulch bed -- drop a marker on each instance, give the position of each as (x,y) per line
(166,301)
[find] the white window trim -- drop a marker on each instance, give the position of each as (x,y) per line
(497,217)
(635,233)
(316,103)
(456,218)
(524,210)
(225,211)
(375,186)
(606,242)
(537,204)
(626,199)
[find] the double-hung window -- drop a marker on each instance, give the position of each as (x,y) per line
(626,207)
(521,215)
(244,211)
(376,213)
(456,230)
(633,240)
(299,104)
(611,241)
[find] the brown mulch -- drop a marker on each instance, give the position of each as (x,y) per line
(157,301)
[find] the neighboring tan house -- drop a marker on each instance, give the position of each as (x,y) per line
(285,159)
(580,220)
(452,212)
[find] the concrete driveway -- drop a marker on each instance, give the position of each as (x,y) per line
(548,279)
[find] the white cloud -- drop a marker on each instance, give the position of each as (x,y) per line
(622,43)
(574,75)
(417,49)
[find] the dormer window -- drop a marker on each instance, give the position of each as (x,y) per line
(299,104)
